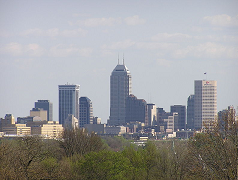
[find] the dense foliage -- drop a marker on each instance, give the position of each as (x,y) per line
(80,155)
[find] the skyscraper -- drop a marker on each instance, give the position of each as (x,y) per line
(68,101)
(46,105)
(120,89)
(152,115)
(181,110)
(205,103)
(85,111)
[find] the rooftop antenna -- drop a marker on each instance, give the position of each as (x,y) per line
(118,58)
(123,60)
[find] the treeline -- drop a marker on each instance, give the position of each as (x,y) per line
(80,155)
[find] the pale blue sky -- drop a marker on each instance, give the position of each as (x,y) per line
(166,44)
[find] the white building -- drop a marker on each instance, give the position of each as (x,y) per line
(205,103)
(152,115)
(120,89)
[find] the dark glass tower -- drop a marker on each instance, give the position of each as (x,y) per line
(85,111)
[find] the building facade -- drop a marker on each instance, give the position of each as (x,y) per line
(205,103)
(39,112)
(190,112)
(68,101)
(120,89)
(181,110)
(46,105)
(136,110)
(152,115)
(85,111)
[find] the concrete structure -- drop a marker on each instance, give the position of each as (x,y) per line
(205,103)
(8,120)
(68,101)
(120,89)
(97,128)
(97,120)
(181,110)
(226,118)
(71,122)
(190,113)
(117,130)
(52,129)
(152,115)
(136,110)
(8,126)
(17,129)
(172,122)
(39,112)
(85,111)
(46,105)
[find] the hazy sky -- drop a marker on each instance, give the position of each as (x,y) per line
(166,45)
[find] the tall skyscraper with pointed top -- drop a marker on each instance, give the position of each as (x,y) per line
(120,89)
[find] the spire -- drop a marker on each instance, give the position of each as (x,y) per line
(123,60)
(118,58)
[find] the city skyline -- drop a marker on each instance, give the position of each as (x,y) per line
(166,46)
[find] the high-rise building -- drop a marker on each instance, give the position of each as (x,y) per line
(205,103)
(136,109)
(181,110)
(190,112)
(120,89)
(85,111)
(46,105)
(68,101)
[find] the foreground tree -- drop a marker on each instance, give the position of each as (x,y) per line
(79,142)
(214,153)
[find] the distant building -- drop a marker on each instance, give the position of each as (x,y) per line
(68,101)
(136,110)
(161,116)
(97,128)
(9,127)
(39,112)
(190,112)
(120,89)
(181,110)
(205,103)
(152,115)
(52,129)
(171,122)
(85,111)
(71,122)
(46,105)
(116,130)
(226,118)
(97,120)
(8,120)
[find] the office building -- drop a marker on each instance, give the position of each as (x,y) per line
(85,111)
(190,113)
(39,112)
(68,101)
(152,115)
(71,122)
(181,110)
(205,103)
(120,89)
(136,110)
(46,105)
(171,122)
